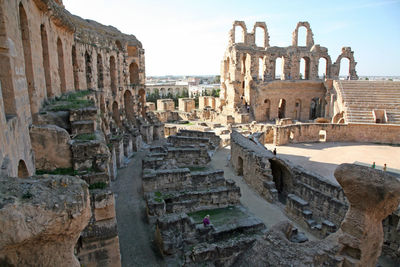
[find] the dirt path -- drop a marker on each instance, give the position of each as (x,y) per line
(269,213)
(135,234)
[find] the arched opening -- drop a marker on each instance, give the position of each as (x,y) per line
(302,36)
(162,91)
(278,68)
(22,170)
(239,34)
(118,45)
(260,69)
(297,109)
(102,105)
(46,60)
(134,73)
(128,102)
(75,68)
(100,77)
(282,178)
(113,75)
(26,44)
(315,108)
(88,69)
(260,37)
(142,100)
(267,104)
(281,108)
(240,166)
(304,68)
(344,69)
(115,114)
(61,66)
(322,68)
(337,117)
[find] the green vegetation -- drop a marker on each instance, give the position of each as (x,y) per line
(74,100)
(58,171)
(156,95)
(85,137)
(198,169)
(159,197)
(219,217)
(98,185)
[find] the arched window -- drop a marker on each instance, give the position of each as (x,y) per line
(260,69)
(304,68)
(26,45)
(88,69)
(302,36)
(344,68)
(46,60)
(113,75)
(134,73)
(278,68)
(118,44)
(260,37)
(239,34)
(61,67)
(75,68)
(322,68)
(100,77)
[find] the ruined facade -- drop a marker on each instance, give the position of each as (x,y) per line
(249,78)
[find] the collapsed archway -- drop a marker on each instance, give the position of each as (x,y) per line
(282,178)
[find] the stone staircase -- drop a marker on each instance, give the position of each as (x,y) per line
(360,98)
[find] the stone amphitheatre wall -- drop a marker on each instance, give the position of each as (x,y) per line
(315,132)
(309,199)
(45,51)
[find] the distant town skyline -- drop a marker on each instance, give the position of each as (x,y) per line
(190,37)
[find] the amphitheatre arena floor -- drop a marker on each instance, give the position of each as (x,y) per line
(323,158)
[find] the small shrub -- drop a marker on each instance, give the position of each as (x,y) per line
(85,137)
(158,194)
(58,171)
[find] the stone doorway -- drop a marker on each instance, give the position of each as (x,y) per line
(282,178)
(281,108)
(22,170)
(240,166)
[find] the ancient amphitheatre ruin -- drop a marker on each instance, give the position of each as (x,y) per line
(92,175)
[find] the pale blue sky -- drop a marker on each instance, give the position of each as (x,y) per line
(190,37)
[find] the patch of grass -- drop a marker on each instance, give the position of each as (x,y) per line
(220,216)
(85,137)
(158,199)
(58,171)
(98,185)
(70,101)
(198,169)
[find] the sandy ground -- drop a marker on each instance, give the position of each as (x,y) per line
(323,158)
(135,234)
(269,213)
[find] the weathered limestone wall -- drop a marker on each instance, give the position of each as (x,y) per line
(186,104)
(214,139)
(41,220)
(165,105)
(297,133)
(207,101)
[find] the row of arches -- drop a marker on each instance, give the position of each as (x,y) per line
(316,109)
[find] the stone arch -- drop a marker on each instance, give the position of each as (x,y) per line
(75,68)
(349,54)
(26,45)
(279,63)
(307,67)
(113,75)
(315,108)
(142,100)
(119,45)
(134,73)
(267,104)
(297,109)
(22,170)
(100,75)
(309,37)
(6,82)
(46,60)
(282,108)
(162,91)
(115,113)
(338,118)
(263,26)
(88,70)
(261,68)
(325,73)
(282,177)
(61,66)
(242,25)
(128,103)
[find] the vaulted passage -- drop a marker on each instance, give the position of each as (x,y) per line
(134,73)
(282,178)
(61,67)
(46,60)
(26,44)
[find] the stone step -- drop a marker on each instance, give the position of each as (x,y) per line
(83,127)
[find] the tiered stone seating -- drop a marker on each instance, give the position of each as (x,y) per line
(362,97)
